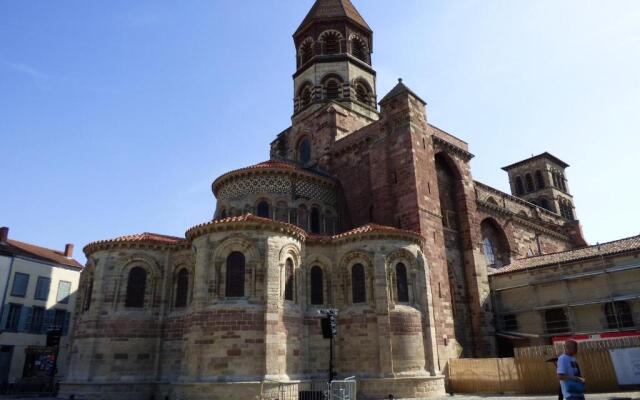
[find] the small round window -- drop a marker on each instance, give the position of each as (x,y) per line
(304,151)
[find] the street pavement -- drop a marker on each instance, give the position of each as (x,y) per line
(598,396)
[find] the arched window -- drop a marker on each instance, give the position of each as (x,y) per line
(359,49)
(235,275)
(282,212)
(332,88)
(136,285)
(303,217)
(539,180)
(306,52)
(305,96)
(554,175)
(529,180)
(566,210)
(556,321)
(304,151)
(495,244)
(182,288)
(317,286)
(289,280)
(358,284)
(263,210)
(331,42)
(519,186)
(315,220)
(223,214)
(562,181)
(618,315)
(87,294)
(489,255)
(362,93)
(402,285)
(330,223)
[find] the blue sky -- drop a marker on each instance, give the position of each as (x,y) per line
(116,116)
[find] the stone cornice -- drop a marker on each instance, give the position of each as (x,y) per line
(519,219)
(465,155)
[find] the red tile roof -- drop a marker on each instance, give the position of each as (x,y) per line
(16,247)
(146,237)
(244,218)
(150,237)
(585,253)
(269,165)
(375,228)
(259,222)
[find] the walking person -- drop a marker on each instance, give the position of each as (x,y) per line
(569,375)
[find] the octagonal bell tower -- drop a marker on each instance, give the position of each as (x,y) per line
(333,49)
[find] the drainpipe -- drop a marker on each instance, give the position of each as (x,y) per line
(6,289)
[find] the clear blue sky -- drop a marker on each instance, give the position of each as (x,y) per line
(115,116)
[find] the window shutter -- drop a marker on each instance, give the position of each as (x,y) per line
(5,315)
(65,328)
(25,319)
(49,315)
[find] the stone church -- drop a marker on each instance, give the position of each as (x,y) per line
(364,206)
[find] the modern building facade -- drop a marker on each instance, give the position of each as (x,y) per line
(38,287)
(364,207)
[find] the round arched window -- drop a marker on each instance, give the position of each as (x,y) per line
(362,93)
(263,210)
(304,151)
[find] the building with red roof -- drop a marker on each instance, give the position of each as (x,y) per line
(38,288)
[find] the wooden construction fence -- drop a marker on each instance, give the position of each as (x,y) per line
(530,373)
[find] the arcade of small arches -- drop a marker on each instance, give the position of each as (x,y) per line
(333,87)
(139,280)
(357,275)
(332,42)
(312,218)
(533,181)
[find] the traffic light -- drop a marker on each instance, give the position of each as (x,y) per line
(326,328)
(333,322)
(329,326)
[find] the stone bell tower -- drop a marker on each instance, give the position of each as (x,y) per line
(541,180)
(333,50)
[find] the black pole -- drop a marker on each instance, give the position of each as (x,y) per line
(331,359)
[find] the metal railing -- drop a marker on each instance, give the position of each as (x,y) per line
(337,390)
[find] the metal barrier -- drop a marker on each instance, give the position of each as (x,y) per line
(336,390)
(346,389)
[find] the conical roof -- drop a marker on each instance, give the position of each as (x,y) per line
(331,9)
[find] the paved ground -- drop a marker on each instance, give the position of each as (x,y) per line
(601,396)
